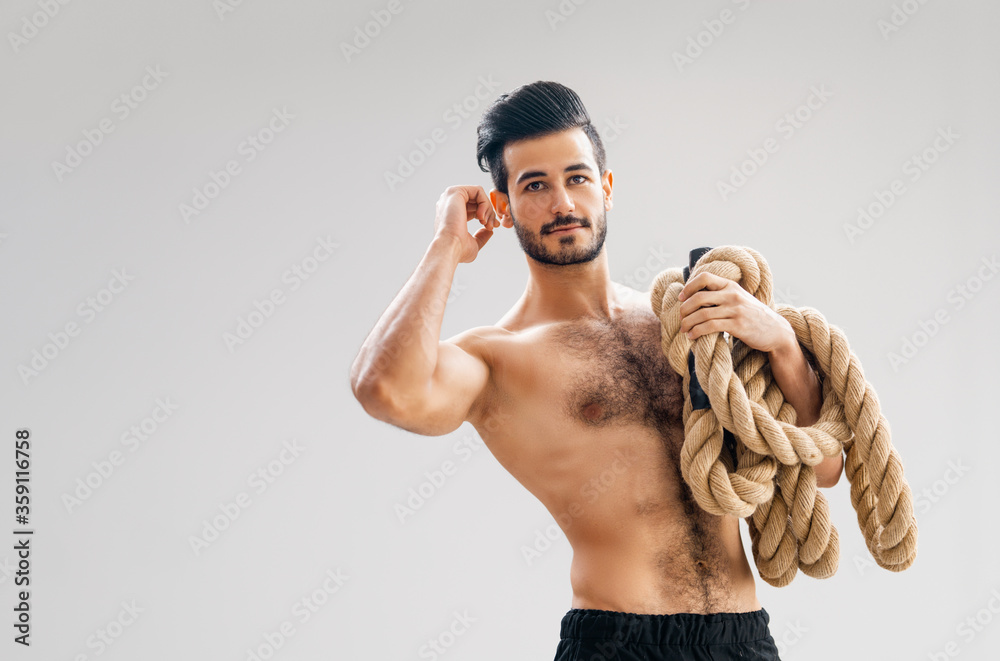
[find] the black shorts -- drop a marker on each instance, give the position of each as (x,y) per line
(598,635)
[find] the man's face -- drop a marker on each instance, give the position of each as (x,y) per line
(556,200)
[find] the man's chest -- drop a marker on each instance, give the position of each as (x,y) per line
(596,375)
(616,373)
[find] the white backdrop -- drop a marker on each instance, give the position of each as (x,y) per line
(207,205)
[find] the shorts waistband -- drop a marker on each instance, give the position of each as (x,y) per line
(666,629)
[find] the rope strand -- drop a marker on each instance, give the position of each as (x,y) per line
(773,485)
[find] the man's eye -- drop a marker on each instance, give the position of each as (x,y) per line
(579,176)
(529,186)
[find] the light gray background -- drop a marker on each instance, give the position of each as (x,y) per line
(681,130)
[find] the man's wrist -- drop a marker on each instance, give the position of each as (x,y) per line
(447,244)
(787,348)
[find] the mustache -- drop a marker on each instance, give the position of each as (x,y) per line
(566,220)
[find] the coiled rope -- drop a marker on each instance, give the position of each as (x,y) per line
(771,482)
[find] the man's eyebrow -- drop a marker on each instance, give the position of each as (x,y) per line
(539,173)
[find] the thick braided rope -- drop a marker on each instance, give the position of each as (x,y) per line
(773,484)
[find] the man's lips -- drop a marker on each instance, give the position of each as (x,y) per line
(569,228)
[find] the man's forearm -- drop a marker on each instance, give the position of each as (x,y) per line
(797,380)
(801,387)
(401,350)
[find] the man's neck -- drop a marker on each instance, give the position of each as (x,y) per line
(563,293)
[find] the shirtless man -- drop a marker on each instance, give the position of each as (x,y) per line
(571,386)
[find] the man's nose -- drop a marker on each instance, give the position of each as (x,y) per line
(562,203)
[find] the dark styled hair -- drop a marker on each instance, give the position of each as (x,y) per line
(530,111)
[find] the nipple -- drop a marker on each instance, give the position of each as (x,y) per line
(592,411)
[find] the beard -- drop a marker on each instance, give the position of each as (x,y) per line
(572,249)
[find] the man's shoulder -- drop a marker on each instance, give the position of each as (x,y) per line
(510,331)
(629,293)
(634,300)
(501,342)
(490,345)
(480,340)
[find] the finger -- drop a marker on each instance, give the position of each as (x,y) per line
(486,212)
(483,211)
(706,298)
(477,201)
(482,236)
(708,327)
(491,213)
(703,280)
(702,315)
(474,193)
(696,283)
(487,216)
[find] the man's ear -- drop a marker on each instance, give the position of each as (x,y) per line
(606,181)
(501,204)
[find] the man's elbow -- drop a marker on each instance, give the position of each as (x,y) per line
(828,471)
(387,405)
(828,481)
(376,400)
